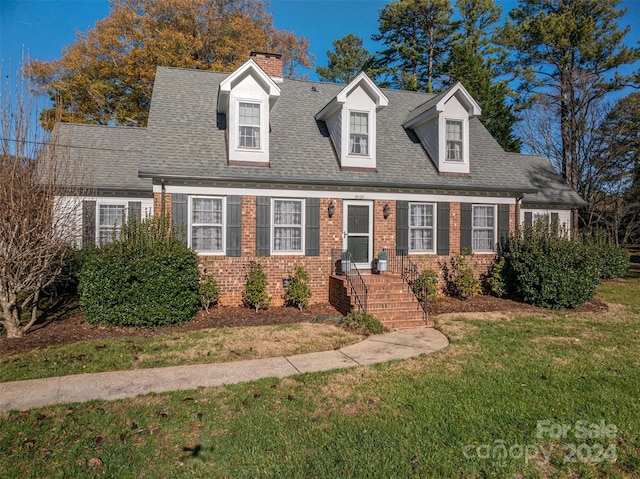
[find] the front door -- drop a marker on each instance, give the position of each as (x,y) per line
(358,232)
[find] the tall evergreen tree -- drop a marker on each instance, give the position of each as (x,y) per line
(568,51)
(347,60)
(416,35)
(471,70)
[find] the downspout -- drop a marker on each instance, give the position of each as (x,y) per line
(162,200)
(518,200)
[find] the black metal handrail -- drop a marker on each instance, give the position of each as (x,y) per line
(401,264)
(359,290)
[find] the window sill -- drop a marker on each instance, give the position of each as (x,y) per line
(211,253)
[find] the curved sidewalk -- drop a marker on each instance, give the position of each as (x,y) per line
(402,344)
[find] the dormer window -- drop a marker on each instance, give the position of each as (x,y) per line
(249,124)
(351,120)
(454,140)
(359,133)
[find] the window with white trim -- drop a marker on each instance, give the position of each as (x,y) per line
(206,224)
(111,217)
(249,125)
(483,228)
(454,140)
(358,133)
(288,226)
(421,227)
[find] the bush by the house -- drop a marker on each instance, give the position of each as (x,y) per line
(147,278)
(461,279)
(208,291)
(546,268)
(298,291)
(362,323)
(255,287)
(426,286)
(495,280)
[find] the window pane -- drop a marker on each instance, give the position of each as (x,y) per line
(250,114)
(249,125)
(207,210)
(483,228)
(287,220)
(483,216)
(454,140)
(110,220)
(483,240)
(206,224)
(207,238)
(421,215)
(287,212)
(421,240)
(358,133)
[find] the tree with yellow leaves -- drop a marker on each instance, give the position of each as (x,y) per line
(106,75)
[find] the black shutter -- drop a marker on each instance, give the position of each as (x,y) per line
(402,228)
(180,215)
(135,210)
(263,225)
(234,225)
(312,227)
(443,229)
(555,220)
(528,219)
(503,226)
(88,224)
(465,226)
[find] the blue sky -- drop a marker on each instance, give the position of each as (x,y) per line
(42,28)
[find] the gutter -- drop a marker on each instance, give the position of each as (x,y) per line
(327,183)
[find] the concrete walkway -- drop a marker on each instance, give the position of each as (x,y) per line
(401,344)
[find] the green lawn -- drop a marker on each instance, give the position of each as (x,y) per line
(449,414)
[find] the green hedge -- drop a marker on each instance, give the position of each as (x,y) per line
(146,279)
(546,268)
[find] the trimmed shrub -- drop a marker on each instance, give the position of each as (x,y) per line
(426,286)
(548,269)
(298,291)
(495,280)
(208,291)
(145,279)
(461,279)
(255,287)
(362,323)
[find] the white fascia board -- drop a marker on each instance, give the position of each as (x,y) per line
(473,108)
(368,85)
(341,98)
(248,68)
(327,193)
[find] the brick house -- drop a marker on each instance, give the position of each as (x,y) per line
(295,172)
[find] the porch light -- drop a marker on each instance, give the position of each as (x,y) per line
(331,209)
(386,211)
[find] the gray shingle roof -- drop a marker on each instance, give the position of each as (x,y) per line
(186,138)
(108,156)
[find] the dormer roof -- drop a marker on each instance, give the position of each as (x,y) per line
(362,81)
(436,105)
(248,68)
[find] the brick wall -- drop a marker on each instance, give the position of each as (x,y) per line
(230,271)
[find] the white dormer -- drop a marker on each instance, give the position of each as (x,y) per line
(442,125)
(351,120)
(246,97)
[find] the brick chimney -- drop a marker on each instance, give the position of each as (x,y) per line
(271,63)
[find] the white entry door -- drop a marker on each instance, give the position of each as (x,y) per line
(358,232)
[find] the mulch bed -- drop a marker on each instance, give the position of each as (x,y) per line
(74,328)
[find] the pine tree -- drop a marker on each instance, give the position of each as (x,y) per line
(417,35)
(348,59)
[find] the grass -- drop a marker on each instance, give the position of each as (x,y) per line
(449,414)
(211,346)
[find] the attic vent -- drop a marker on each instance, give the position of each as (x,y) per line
(314,88)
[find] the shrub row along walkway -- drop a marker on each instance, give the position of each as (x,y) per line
(402,344)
